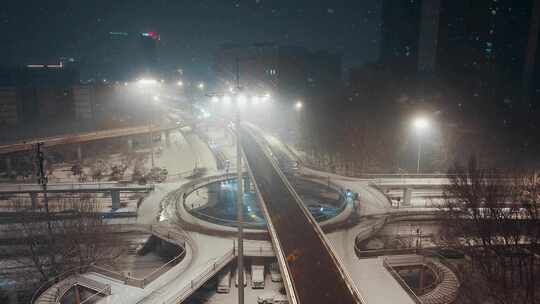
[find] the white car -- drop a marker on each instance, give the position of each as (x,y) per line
(275,274)
(272,299)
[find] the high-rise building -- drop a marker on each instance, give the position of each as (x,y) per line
(124,56)
(473,50)
(400,35)
(482,54)
(410,30)
(148,42)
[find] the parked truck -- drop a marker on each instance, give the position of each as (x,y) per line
(257,276)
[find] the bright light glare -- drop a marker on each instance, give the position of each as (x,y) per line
(421,123)
(200,85)
(266,97)
(226,99)
(156,98)
(215,99)
(147,81)
(180,83)
(241,99)
(298,105)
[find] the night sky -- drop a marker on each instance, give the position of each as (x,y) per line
(43,31)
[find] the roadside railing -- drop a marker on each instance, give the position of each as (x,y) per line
(104,291)
(65,281)
(201,278)
(401,282)
(225,222)
(170,236)
(161,270)
(97,186)
(256,250)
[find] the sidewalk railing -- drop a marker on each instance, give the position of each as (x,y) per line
(401,282)
(201,278)
(96,186)
(63,282)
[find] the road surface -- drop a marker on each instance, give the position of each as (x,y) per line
(316,275)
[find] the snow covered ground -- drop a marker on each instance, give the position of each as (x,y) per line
(188,151)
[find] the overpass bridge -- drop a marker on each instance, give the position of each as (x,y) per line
(312,273)
(80,138)
(115,188)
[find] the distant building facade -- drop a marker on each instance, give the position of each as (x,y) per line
(475,50)
(123,56)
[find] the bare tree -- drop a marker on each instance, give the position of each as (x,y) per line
(80,235)
(493,217)
(98,170)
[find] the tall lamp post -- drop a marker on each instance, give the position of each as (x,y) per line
(240,101)
(147,84)
(298,106)
(420,125)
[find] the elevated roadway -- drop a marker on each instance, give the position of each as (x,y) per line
(312,272)
(81,137)
(74,187)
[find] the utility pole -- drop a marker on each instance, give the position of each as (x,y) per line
(42,177)
(239,197)
(42,180)
(239,191)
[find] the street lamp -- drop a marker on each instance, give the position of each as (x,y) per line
(420,125)
(148,83)
(200,86)
(241,99)
(298,105)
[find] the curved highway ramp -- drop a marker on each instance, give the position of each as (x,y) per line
(311,270)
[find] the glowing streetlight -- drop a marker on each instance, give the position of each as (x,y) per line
(147,81)
(200,86)
(420,125)
(255,100)
(180,83)
(298,105)
(155,98)
(241,99)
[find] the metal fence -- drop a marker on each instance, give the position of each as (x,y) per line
(208,272)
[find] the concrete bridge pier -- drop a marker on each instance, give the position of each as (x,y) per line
(130,144)
(407,195)
(33,199)
(8,164)
(115,197)
(167,136)
(79,153)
